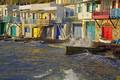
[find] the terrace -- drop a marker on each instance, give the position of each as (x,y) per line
(115,13)
(101,14)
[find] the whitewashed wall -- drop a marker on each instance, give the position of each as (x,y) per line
(84,14)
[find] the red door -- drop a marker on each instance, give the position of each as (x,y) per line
(107,33)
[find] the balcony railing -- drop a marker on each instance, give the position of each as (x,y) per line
(69,2)
(11,19)
(17,20)
(44,22)
(6,19)
(101,14)
(115,13)
(29,21)
(70,18)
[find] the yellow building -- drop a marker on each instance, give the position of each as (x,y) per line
(44,14)
(34,18)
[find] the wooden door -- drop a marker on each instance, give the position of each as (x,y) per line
(13,31)
(77,30)
(90,26)
(36,32)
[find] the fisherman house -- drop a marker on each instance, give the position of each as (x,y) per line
(62,20)
(78,14)
(3,20)
(106,16)
(28,21)
(91,19)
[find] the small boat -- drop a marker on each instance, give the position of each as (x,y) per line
(98,48)
(71,50)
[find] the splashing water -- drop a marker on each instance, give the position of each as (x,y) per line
(80,42)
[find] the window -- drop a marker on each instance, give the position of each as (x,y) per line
(89,7)
(106,4)
(41,15)
(21,14)
(71,13)
(27,29)
(0,13)
(25,15)
(14,14)
(79,8)
(33,15)
(67,13)
(113,4)
(5,12)
(119,4)
(94,6)
(29,14)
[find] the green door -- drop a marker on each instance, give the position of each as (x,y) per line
(2,28)
(90,26)
(13,30)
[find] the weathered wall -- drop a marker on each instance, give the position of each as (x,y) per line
(115,31)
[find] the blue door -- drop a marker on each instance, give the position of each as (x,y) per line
(77,30)
(90,30)
(58,33)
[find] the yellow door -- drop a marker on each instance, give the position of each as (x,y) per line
(36,32)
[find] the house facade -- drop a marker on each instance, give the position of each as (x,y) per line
(28,21)
(79,15)
(92,19)
(106,16)
(3,19)
(63,19)
(84,10)
(66,16)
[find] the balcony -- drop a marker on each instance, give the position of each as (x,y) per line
(29,21)
(43,22)
(15,20)
(71,2)
(11,19)
(5,19)
(115,13)
(87,0)
(101,15)
(70,18)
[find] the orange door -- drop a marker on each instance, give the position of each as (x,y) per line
(107,33)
